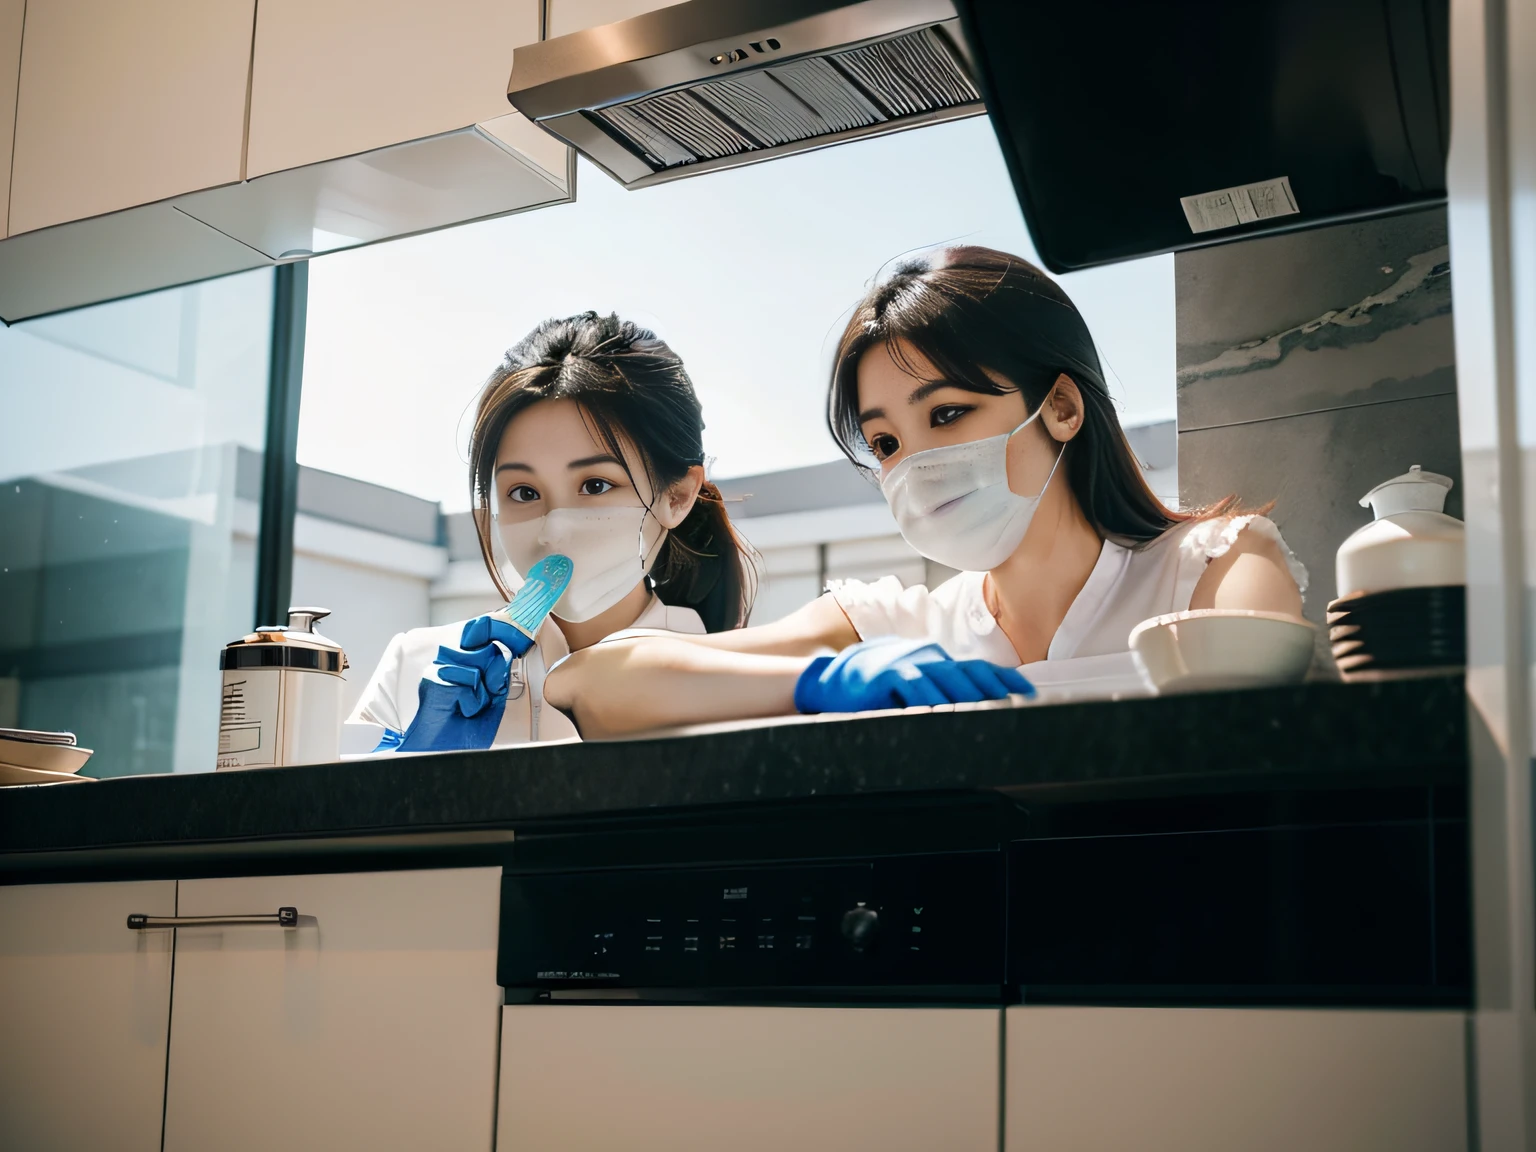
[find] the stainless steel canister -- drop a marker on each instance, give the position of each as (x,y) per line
(282,695)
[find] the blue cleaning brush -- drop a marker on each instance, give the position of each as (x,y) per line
(545,583)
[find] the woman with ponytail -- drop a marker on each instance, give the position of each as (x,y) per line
(587,441)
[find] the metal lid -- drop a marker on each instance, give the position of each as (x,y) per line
(294,645)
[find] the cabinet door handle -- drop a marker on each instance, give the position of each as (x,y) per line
(282,918)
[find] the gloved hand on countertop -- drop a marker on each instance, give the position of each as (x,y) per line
(461,698)
(896,673)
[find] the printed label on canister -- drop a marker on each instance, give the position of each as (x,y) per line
(248,717)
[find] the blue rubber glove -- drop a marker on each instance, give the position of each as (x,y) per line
(461,699)
(483,629)
(389,741)
(895,673)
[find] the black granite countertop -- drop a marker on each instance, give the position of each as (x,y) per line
(1321,735)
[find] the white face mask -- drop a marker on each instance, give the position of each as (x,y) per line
(953,504)
(610,551)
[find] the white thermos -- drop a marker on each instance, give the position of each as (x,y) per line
(1410,541)
(282,695)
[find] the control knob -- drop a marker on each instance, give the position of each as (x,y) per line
(860,927)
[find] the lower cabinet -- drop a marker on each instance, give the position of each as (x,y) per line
(84,1004)
(1211,1080)
(764,1079)
(372,1024)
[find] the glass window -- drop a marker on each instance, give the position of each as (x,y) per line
(749,274)
(130,468)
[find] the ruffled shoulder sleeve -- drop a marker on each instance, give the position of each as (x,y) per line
(882,608)
(1209,539)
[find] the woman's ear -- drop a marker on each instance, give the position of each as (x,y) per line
(678,500)
(1062,412)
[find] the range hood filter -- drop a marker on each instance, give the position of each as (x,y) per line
(646,100)
(878,83)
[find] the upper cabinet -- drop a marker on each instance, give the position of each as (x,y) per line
(158,142)
(11,12)
(333,78)
(372,121)
(125,102)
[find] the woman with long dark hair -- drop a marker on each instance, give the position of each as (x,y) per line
(587,441)
(969,385)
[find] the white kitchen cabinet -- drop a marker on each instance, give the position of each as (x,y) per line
(631,1078)
(414,187)
(107,257)
(125,102)
(373,1024)
(11,16)
(1211,1080)
(566,16)
(334,78)
(84,1006)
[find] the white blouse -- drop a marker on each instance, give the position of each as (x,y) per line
(1091,647)
(390,699)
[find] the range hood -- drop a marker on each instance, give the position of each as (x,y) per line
(713,84)
(1132,128)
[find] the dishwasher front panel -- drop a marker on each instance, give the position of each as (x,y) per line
(700,1078)
(909,927)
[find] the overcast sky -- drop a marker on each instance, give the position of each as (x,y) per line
(748,274)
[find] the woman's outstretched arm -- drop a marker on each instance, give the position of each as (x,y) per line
(644,682)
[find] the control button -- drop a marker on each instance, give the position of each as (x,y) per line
(803,943)
(860,926)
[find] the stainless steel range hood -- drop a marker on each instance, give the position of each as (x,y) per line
(713,84)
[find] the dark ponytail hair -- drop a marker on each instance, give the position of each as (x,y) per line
(629,386)
(970,311)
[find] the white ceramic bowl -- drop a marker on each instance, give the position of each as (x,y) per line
(1210,649)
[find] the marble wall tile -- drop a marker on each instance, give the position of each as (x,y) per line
(1313,366)
(1315,467)
(1344,316)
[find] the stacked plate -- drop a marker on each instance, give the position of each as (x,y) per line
(29,757)
(1406,628)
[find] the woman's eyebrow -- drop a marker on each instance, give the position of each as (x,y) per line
(512,466)
(919,394)
(927,389)
(588,461)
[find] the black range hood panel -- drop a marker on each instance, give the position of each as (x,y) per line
(1133,128)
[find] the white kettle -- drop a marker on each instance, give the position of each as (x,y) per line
(282,696)
(1411,543)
